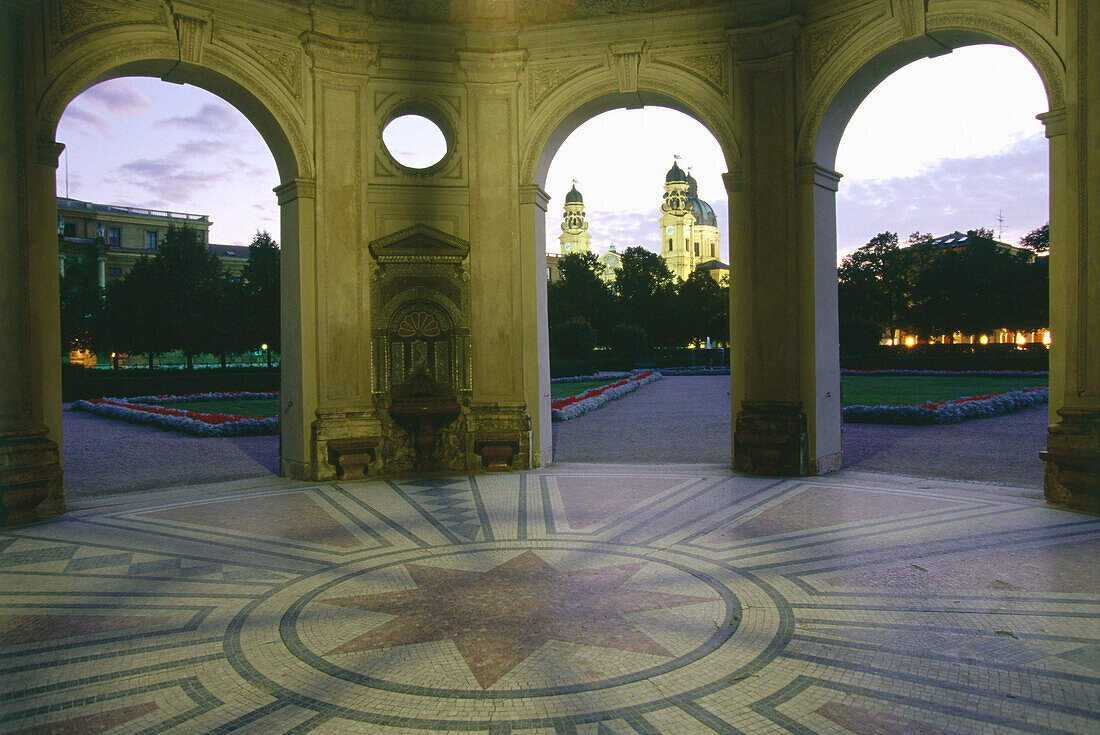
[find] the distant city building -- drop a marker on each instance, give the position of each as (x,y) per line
(110,238)
(958,241)
(689,238)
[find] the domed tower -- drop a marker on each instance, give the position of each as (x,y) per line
(574,237)
(705,235)
(676,223)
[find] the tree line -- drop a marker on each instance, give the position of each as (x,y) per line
(929,291)
(178,300)
(645,305)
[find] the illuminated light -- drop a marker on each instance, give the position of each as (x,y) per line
(263,346)
(1046,338)
(1020,338)
(984,340)
(910,341)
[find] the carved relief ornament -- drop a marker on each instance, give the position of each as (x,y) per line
(625,60)
(341,55)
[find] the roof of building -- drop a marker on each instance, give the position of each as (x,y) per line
(704,214)
(712,265)
(66,203)
(574,196)
(675,174)
(229,251)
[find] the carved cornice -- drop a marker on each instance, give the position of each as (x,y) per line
(910,14)
(341,55)
(534,194)
(419,244)
(48,152)
(492,67)
(1054,122)
(625,59)
(766,41)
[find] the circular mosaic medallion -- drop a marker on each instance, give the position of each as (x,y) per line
(460,633)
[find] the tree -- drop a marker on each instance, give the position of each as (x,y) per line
(704,304)
(874,281)
(191,291)
(81,307)
(1038,239)
(133,317)
(261,294)
(647,297)
(573,339)
(581,294)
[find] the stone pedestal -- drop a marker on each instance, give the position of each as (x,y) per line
(1071,462)
(497,449)
(30,472)
(770,439)
(352,458)
(500,437)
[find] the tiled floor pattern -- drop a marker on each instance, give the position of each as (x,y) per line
(567,601)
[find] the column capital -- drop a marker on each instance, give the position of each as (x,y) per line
(296,189)
(812,173)
(734,181)
(48,152)
(492,67)
(534,194)
(1054,121)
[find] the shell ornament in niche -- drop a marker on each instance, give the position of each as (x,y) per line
(418,323)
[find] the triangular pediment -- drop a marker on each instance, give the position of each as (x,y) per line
(419,243)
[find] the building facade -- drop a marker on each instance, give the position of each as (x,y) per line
(109,238)
(688,226)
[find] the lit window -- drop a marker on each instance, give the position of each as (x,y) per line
(114,237)
(150,239)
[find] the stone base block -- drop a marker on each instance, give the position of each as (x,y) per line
(499,437)
(497,450)
(1071,462)
(352,458)
(30,473)
(770,439)
(331,426)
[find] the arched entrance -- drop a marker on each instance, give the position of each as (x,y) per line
(558,120)
(844,81)
(35,404)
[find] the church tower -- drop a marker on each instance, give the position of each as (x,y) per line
(676,223)
(574,237)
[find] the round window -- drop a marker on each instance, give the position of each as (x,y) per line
(414,141)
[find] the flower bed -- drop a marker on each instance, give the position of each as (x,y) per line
(953,373)
(948,412)
(145,410)
(563,409)
(696,370)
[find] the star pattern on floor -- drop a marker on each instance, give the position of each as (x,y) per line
(498,618)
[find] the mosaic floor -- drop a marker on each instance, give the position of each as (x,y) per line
(586,600)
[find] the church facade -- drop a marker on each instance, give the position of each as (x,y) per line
(393,275)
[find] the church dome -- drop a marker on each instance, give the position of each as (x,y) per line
(675,174)
(574,196)
(703,213)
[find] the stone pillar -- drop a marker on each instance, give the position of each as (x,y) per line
(298,317)
(771,275)
(101,271)
(30,352)
(533,203)
(341,352)
(61,265)
(503,289)
(1072,456)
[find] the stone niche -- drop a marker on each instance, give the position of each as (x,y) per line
(420,350)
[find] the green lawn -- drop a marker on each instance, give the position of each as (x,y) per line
(916,389)
(564,390)
(259,408)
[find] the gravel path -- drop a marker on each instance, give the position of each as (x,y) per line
(676,420)
(684,420)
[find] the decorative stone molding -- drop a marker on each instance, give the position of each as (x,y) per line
(1054,122)
(341,55)
(811,173)
(1071,461)
(542,81)
(825,39)
(353,458)
(625,60)
(765,41)
(287,65)
(910,14)
(534,194)
(711,67)
(1051,67)
(192,30)
(770,439)
(492,67)
(499,437)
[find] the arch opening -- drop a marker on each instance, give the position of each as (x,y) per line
(228,127)
(971,203)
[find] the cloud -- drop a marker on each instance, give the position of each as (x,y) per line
(954,194)
(211,118)
(118,96)
(169,179)
(84,121)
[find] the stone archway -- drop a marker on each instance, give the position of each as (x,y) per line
(174,48)
(873,52)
